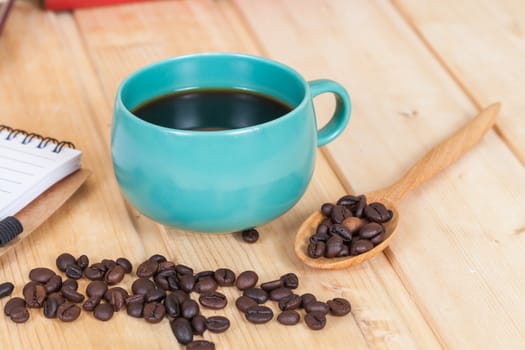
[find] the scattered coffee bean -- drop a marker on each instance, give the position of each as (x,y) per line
(156,294)
(271,285)
(153,312)
(95,272)
(290,302)
(51,307)
(224,277)
(187,282)
(64,260)
(247,279)
(243,303)
(68,312)
(181,328)
(34,294)
(70,283)
(213,300)
(279,293)
(172,305)
(217,324)
(115,275)
(258,294)
(41,274)
(259,314)
(116,296)
(103,312)
(290,280)
(147,269)
(307,298)
(315,320)
(91,303)
(6,289)
(72,295)
(189,308)
(53,285)
(250,236)
(198,324)
(19,314)
(200,345)
(142,286)
(74,271)
(135,309)
(125,263)
(96,289)
(82,262)
(288,317)
(183,269)
(180,295)
(205,285)
(317,306)
(158,258)
(339,306)
(108,263)
(167,279)
(12,303)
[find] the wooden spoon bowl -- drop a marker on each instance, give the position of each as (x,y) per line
(439,158)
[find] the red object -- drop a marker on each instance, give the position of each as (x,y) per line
(72,4)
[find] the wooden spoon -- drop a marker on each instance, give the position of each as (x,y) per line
(432,163)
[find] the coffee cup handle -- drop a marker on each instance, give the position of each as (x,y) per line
(343,107)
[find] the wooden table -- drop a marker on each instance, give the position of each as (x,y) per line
(416,71)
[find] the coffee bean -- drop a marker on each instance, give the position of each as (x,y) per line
(68,312)
(258,294)
(70,283)
(166,265)
(259,314)
(200,345)
(115,275)
(96,289)
(250,235)
(181,328)
(172,305)
(271,285)
(19,314)
(103,312)
(317,306)
(342,231)
(213,300)
(53,285)
(288,317)
(135,298)
(345,250)
(12,303)
(354,224)
(34,294)
(339,213)
(339,306)
(156,294)
(202,274)
(116,296)
(377,212)
(315,320)
(327,208)
(370,230)
(147,269)
(349,201)
(167,279)
(187,282)
(189,308)
(378,238)
(316,250)
(91,303)
(205,285)
(322,234)
(41,274)
(6,289)
(243,303)
(290,280)
(135,309)
(108,263)
(360,246)
(307,298)
(64,260)
(153,312)
(224,277)
(50,307)
(158,258)
(125,263)
(279,293)
(72,295)
(198,324)
(183,269)
(74,271)
(246,279)
(217,324)
(180,295)
(334,245)
(82,262)
(142,286)
(95,272)
(290,302)
(58,296)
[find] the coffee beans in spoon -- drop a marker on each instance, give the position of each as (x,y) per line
(349,227)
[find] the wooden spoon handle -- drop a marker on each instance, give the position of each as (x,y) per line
(444,154)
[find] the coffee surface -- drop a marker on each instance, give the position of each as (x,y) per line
(211,109)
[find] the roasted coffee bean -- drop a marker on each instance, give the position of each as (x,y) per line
(74,271)
(290,280)
(68,312)
(279,293)
(53,285)
(187,282)
(349,201)
(258,294)
(19,314)
(70,283)
(6,289)
(288,317)
(317,306)
(315,320)
(135,309)
(316,250)
(34,294)
(359,210)
(135,298)
(125,263)
(153,312)
(198,324)
(246,279)
(82,262)
(72,295)
(108,263)
(339,306)
(334,245)
(181,328)
(12,303)
(345,251)
(202,274)
(142,286)
(224,277)
(41,274)
(200,345)
(342,231)
(115,275)
(205,285)
(58,296)
(307,298)
(147,269)
(259,314)
(50,307)
(103,312)
(91,303)
(377,212)
(250,236)
(156,294)
(95,272)
(360,246)
(327,208)
(167,279)
(166,265)
(290,302)
(183,269)
(213,300)
(180,295)
(370,230)
(339,213)
(271,285)
(96,289)
(217,324)
(172,305)
(354,224)
(322,234)
(243,303)
(378,239)
(116,296)
(189,308)
(158,258)
(64,260)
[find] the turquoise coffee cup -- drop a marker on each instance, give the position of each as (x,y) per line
(228,180)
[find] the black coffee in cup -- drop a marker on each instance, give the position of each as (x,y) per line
(211,109)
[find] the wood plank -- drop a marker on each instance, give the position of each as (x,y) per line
(482,44)
(466,278)
(384,317)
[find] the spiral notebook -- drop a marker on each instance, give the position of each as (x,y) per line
(29,165)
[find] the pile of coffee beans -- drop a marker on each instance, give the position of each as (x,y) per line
(163,290)
(350,227)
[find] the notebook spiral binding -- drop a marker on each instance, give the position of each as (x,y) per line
(30,136)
